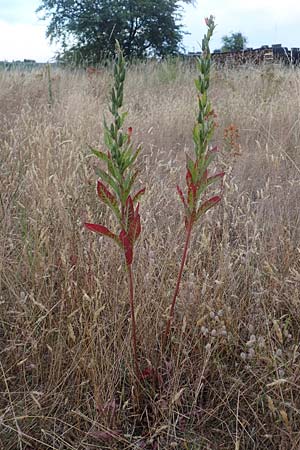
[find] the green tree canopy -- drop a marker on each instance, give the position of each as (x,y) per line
(89,28)
(235,42)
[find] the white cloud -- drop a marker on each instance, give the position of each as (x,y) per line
(262,21)
(270,9)
(20,41)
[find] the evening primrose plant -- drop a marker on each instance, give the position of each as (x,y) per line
(196,201)
(115,186)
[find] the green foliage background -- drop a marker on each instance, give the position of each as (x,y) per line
(88,29)
(234,42)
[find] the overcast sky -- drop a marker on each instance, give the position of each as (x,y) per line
(263,22)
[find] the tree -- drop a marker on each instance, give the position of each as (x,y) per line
(89,28)
(236,42)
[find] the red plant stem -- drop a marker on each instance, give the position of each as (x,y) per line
(134,340)
(171,316)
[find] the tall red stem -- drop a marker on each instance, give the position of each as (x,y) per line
(133,336)
(171,315)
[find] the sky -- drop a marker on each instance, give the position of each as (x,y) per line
(263,22)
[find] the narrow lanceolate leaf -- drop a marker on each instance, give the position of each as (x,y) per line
(128,183)
(127,153)
(104,194)
(123,116)
(214,178)
(190,165)
(100,155)
(192,196)
(107,137)
(196,134)
(180,193)
(189,178)
(198,84)
(129,212)
(100,229)
(108,198)
(138,195)
(207,205)
(134,229)
(128,250)
(206,161)
(135,156)
(114,171)
(108,179)
(203,179)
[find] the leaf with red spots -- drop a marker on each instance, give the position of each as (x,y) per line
(129,212)
(192,196)
(188,177)
(180,193)
(108,198)
(138,195)
(135,226)
(128,250)
(214,178)
(104,194)
(101,155)
(203,179)
(207,205)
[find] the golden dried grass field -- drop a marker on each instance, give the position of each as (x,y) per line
(233,378)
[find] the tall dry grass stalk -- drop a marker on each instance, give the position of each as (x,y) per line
(65,338)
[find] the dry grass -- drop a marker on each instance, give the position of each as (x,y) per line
(233,378)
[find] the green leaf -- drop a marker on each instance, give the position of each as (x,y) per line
(130,179)
(198,84)
(205,162)
(108,179)
(190,164)
(204,99)
(196,133)
(99,154)
(123,117)
(135,155)
(114,171)
(108,139)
